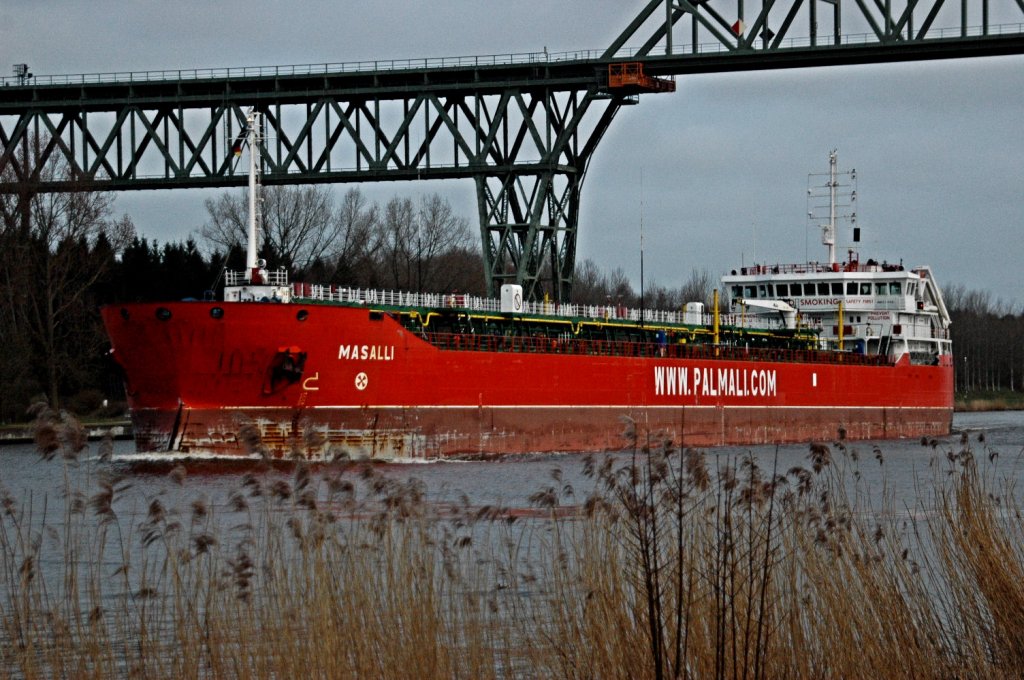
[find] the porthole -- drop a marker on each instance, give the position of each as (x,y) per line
(302,315)
(163,313)
(217,312)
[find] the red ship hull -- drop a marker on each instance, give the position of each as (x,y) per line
(199,384)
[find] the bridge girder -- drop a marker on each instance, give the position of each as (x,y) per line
(527,151)
(523,127)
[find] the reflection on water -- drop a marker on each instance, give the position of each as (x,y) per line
(889,474)
(510,481)
(894,476)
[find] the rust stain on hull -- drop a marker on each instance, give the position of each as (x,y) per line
(424,433)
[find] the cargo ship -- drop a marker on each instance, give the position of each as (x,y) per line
(816,351)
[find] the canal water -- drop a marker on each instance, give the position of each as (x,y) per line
(901,466)
(897,469)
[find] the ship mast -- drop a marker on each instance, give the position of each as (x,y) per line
(840,207)
(828,230)
(252,263)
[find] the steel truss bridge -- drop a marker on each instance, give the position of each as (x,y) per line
(523,127)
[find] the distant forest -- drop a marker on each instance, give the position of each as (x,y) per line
(62,256)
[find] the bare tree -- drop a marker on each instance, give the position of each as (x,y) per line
(439,232)
(620,289)
(697,288)
(403,246)
(463,269)
(298,223)
(17,358)
(588,286)
(397,230)
(50,270)
(954,296)
(657,296)
(228,225)
(417,243)
(358,240)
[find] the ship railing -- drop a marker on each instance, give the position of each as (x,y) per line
(821,268)
(271,277)
(474,303)
(525,344)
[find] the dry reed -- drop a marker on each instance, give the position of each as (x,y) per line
(676,564)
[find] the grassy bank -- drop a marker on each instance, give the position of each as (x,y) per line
(670,564)
(989,400)
(95,429)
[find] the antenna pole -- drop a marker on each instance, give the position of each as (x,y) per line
(641,247)
(832,182)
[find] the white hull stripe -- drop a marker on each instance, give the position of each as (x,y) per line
(616,407)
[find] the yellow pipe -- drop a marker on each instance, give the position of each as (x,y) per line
(840,325)
(715,313)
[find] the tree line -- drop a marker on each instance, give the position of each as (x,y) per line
(401,245)
(64,255)
(988,340)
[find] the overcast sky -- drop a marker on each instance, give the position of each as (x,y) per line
(938,146)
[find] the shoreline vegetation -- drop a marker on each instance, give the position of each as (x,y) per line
(989,400)
(669,564)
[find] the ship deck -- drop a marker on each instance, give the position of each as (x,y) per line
(471,323)
(575,346)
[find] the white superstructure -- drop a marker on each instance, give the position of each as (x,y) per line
(868,308)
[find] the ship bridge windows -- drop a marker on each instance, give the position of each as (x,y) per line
(823,288)
(750,291)
(782,289)
(737,292)
(762,291)
(837,287)
(880,288)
